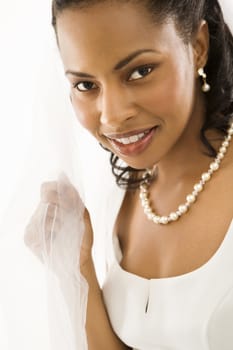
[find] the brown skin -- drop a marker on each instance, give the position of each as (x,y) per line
(93,41)
(169,96)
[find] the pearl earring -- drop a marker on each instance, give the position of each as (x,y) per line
(202,74)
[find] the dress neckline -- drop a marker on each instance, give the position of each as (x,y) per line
(117,253)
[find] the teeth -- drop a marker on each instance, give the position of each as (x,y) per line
(132,139)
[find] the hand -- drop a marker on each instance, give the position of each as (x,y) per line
(60,229)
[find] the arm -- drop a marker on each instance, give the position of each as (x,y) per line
(100,335)
(66,225)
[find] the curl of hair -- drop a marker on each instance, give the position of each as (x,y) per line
(187,15)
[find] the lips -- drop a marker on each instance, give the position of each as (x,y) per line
(126,140)
(134,143)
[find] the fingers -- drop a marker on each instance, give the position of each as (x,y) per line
(42,228)
(61,193)
(49,192)
(52,222)
(59,208)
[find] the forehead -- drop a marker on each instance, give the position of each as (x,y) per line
(110,30)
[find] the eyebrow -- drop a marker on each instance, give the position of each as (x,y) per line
(118,66)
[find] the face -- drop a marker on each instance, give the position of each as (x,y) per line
(133,82)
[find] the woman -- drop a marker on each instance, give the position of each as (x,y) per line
(152,82)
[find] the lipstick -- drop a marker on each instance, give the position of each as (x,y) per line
(134,144)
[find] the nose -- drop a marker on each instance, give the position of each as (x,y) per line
(116,106)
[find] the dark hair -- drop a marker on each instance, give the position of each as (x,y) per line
(187,15)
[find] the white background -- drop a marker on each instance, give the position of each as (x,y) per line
(25,32)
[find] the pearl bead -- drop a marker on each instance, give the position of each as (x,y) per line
(205,177)
(174,216)
(156,219)
(143,188)
(191,198)
(225,144)
(205,87)
(146,201)
(230,132)
(223,149)
(198,187)
(214,166)
(147,210)
(150,216)
(143,195)
(164,220)
(220,156)
(182,208)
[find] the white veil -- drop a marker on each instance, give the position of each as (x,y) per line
(43,305)
(43,296)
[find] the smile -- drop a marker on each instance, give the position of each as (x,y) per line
(131,139)
(132,144)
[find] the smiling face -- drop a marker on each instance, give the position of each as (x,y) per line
(133,82)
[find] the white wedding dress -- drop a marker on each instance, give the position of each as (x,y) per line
(193,311)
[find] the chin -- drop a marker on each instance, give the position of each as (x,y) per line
(138,164)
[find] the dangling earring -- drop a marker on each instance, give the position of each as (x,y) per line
(202,74)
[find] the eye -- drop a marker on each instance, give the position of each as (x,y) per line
(85,86)
(140,72)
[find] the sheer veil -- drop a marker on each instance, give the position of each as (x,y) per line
(43,296)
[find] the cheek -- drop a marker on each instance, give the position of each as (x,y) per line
(171,96)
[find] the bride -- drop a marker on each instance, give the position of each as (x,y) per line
(152,82)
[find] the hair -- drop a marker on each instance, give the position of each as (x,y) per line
(187,15)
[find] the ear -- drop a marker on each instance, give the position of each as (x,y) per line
(200,45)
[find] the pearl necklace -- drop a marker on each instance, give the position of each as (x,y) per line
(191,198)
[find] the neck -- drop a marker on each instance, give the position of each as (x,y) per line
(197,188)
(188,158)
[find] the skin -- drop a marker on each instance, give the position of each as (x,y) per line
(168,94)
(119,101)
